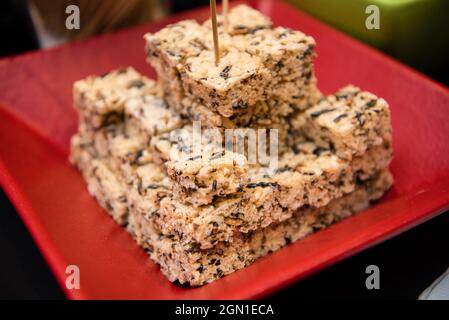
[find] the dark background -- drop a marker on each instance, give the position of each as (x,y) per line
(408,263)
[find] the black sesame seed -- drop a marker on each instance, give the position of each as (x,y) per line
(282,35)
(220,273)
(174,54)
(308,173)
(241,29)
(225,72)
(136,84)
(255,29)
(136,157)
(262,185)
(360,118)
(341,96)
(283,169)
(279,65)
(112,118)
(199,44)
(317,151)
(320,112)
(215,156)
(341,116)
(371,103)
(152,54)
(194,158)
(308,74)
(153,186)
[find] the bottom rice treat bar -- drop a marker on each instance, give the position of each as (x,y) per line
(188,262)
(306,178)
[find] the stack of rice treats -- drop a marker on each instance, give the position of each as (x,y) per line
(204,216)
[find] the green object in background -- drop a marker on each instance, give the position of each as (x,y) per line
(413,31)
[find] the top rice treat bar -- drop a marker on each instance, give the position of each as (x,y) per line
(254,57)
(285,52)
(238,81)
(100,100)
(242,20)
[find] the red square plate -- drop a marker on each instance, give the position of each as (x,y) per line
(69,227)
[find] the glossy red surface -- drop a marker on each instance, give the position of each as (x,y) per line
(37,120)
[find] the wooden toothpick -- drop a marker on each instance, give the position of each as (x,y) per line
(225,14)
(213,13)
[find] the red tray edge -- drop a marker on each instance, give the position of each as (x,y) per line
(40,235)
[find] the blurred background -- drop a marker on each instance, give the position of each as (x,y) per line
(415,32)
